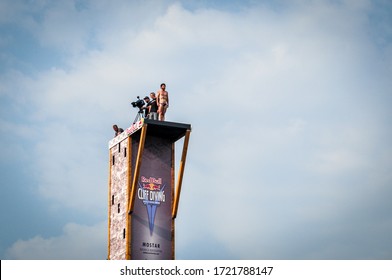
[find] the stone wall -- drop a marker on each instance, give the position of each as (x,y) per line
(119,203)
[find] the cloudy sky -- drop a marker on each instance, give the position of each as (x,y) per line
(290,104)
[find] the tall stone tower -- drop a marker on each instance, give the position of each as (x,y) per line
(143,199)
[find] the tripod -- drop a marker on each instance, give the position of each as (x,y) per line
(139,115)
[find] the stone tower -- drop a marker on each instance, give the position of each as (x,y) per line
(142,197)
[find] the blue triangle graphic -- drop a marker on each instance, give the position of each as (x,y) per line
(151,210)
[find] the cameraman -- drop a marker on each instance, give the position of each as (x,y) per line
(153,114)
(146,109)
(151,108)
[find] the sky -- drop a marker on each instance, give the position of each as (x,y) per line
(290,154)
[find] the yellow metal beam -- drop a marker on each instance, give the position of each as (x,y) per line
(180,174)
(137,168)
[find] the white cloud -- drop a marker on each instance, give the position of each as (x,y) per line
(77,242)
(282,117)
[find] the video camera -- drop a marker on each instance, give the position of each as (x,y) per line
(138,103)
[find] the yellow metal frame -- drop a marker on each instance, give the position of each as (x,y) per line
(180,174)
(137,169)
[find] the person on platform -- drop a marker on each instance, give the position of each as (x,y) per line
(147,107)
(163,101)
(117,130)
(153,113)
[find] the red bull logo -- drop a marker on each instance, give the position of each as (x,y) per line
(151,187)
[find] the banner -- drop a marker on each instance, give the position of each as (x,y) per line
(151,223)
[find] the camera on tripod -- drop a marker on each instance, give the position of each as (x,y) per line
(138,103)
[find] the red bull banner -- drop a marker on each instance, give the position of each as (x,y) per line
(151,221)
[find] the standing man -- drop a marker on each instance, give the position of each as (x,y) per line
(153,107)
(163,101)
(146,109)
